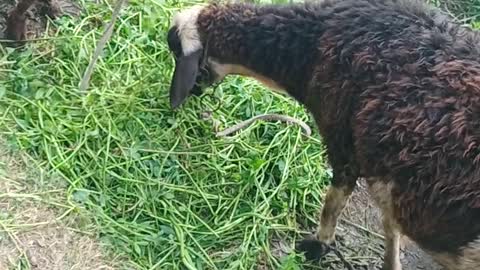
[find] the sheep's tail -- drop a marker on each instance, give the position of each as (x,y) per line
(23,6)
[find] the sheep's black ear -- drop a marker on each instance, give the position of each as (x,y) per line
(184,76)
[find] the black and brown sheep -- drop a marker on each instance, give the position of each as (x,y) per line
(16,23)
(17,19)
(394,87)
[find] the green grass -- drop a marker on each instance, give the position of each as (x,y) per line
(160,187)
(465,10)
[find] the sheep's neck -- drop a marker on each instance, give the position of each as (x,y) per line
(223,70)
(273,45)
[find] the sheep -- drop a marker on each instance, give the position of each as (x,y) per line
(394,88)
(16,23)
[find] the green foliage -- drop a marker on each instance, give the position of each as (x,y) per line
(465,10)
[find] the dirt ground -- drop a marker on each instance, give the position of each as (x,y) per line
(359,228)
(359,240)
(32,233)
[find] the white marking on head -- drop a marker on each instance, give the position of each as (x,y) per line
(186,22)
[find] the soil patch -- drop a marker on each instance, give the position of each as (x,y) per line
(359,239)
(360,230)
(33,231)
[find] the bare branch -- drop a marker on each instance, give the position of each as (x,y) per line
(107,33)
(266,117)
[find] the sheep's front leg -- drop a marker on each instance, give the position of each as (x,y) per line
(335,202)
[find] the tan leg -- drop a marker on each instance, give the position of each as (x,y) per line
(392,246)
(381,193)
(335,202)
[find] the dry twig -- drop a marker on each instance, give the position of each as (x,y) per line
(107,33)
(267,117)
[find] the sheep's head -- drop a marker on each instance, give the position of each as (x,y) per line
(192,70)
(205,58)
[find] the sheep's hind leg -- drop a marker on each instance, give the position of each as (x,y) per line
(335,202)
(381,194)
(392,246)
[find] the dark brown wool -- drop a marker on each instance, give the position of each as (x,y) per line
(394,87)
(16,22)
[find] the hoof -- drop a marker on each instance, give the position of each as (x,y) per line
(313,249)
